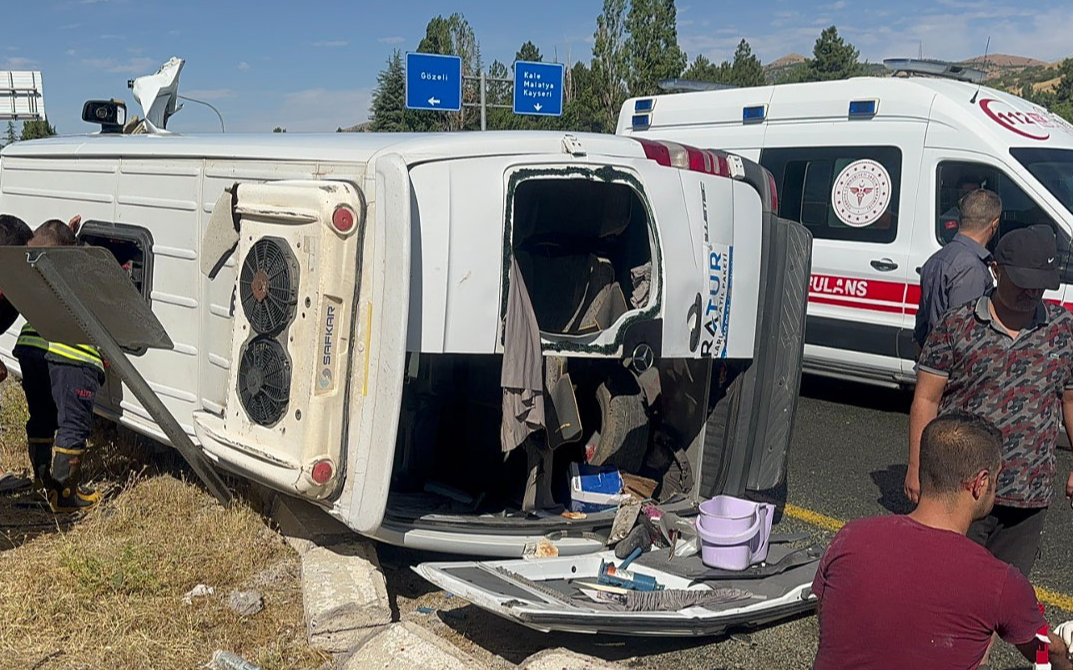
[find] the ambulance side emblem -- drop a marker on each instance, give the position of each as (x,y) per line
(861,193)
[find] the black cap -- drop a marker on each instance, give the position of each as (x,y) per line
(1030,257)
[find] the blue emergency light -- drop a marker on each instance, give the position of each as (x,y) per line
(642,121)
(756,113)
(646,105)
(863,108)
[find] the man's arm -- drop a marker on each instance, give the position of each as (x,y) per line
(929,392)
(1067,418)
(1059,653)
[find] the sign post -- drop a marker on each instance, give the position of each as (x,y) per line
(433,82)
(538,88)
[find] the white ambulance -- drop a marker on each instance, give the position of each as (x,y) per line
(872,167)
(338,307)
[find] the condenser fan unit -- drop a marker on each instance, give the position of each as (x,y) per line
(268,285)
(264,380)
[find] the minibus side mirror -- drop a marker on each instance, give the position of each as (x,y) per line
(110,115)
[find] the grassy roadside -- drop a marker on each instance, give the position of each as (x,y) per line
(106,590)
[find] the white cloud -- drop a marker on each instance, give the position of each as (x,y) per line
(131,66)
(331,44)
(71,52)
(244,65)
(391,40)
(210,93)
(70,26)
(110,36)
(17,63)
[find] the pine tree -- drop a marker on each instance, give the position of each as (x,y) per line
(609,64)
(10,137)
(529,52)
(654,54)
(833,58)
(388,108)
(279,129)
(746,69)
(36,129)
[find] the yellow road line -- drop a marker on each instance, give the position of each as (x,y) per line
(815,518)
(1046,596)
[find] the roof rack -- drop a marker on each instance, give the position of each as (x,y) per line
(687,85)
(934,68)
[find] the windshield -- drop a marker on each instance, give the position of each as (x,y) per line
(1051,167)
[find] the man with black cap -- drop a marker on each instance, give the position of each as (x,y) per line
(1007,357)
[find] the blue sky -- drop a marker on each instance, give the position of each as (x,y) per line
(312,65)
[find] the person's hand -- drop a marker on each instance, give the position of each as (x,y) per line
(1069,486)
(912,483)
(3,371)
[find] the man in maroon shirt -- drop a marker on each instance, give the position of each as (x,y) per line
(913,591)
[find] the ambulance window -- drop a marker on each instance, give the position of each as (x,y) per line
(954,179)
(806,178)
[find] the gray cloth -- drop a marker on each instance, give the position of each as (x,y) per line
(956,274)
(522,378)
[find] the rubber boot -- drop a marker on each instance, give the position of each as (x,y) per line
(67,494)
(41,464)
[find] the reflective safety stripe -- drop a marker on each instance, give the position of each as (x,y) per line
(80,353)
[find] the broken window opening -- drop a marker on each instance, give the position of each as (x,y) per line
(584,251)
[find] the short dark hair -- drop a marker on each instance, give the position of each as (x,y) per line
(13,231)
(55,233)
(979,208)
(953,448)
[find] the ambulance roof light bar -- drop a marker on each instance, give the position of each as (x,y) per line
(691,85)
(934,68)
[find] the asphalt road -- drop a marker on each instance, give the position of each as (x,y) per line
(847,462)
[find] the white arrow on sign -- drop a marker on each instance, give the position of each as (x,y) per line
(433,101)
(537,107)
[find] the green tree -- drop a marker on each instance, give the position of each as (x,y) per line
(833,58)
(583,110)
(702,69)
(610,66)
(10,137)
(1063,91)
(279,129)
(36,129)
(652,45)
(529,52)
(746,69)
(388,108)
(498,93)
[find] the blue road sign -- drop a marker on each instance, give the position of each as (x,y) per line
(538,88)
(433,82)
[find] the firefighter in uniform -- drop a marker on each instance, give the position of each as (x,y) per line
(61,383)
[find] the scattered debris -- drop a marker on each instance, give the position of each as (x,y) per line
(225,660)
(246,603)
(199,591)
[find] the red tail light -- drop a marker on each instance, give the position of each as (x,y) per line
(322,472)
(656,152)
(774,193)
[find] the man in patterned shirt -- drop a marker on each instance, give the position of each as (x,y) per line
(1007,357)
